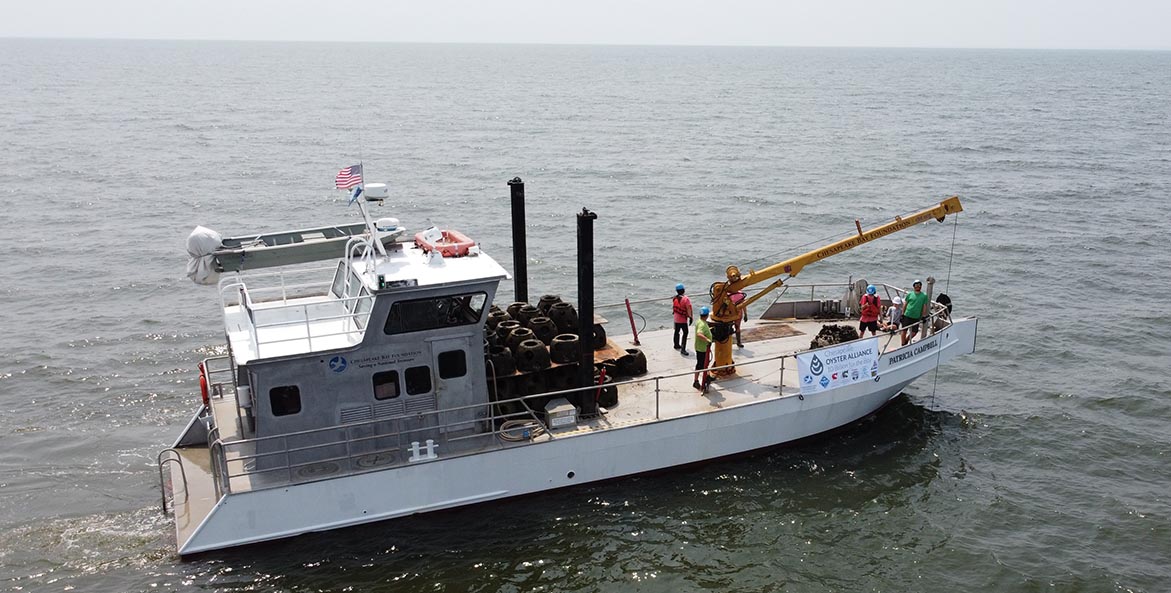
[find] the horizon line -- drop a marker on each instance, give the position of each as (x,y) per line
(590,44)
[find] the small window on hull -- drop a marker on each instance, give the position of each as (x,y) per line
(386,385)
(452,364)
(285,400)
(418,380)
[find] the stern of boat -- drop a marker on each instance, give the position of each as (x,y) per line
(189,489)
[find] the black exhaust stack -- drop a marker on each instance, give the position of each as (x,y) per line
(520,258)
(585,308)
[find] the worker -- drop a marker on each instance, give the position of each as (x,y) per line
(681,310)
(703,342)
(869,308)
(894,314)
(736,298)
(914,308)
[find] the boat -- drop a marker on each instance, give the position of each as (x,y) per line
(211,255)
(388,383)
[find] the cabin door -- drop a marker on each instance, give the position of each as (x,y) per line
(451,361)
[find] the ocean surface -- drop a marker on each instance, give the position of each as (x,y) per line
(1040,463)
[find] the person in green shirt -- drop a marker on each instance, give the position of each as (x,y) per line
(914,308)
(703,342)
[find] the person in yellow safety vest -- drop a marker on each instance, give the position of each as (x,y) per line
(703,342)
(681,311)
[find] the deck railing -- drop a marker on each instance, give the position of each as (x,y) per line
(816,290)
(269,462)
(268,308)
(373,445)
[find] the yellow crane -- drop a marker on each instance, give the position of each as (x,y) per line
(725,312)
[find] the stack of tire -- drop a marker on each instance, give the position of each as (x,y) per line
(631,364)
(535,349)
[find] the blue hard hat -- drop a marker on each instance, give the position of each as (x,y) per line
(871,289)
(679,286)
(704,310)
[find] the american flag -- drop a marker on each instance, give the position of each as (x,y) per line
(349,177)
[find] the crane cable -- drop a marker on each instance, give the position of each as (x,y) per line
(947,283)
(773,256)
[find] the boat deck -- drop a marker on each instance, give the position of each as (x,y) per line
(196,496)
(752,382)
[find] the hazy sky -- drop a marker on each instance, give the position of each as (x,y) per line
(1121,24)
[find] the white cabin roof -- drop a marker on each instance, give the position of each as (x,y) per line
(405,263)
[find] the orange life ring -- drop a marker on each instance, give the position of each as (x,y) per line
(453,243)
(203,386)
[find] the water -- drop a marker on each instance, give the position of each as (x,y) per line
(1039,463)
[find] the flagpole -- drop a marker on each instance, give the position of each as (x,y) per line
(360,161)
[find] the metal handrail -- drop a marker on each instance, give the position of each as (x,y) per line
(667,298)
(220,449)
(182,474)
(305,318)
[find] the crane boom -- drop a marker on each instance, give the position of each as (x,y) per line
(724,312)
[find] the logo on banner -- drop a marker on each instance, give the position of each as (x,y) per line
(838,366)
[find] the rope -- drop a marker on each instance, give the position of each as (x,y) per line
(955,225)
(773,256)
(947,283)
(529,429)
(639,315)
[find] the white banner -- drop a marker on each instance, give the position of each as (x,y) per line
(838,366)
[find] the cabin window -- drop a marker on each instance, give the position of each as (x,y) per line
(452,364)
(362,310)
(435,313)
(353,285)
(339,281)
(285,400)
(418,380)
(386,385)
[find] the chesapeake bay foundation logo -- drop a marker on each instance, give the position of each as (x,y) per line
(338,364)
(815,366)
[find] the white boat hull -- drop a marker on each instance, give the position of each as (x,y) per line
(579,458)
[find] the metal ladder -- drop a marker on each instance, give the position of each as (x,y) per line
(166,456)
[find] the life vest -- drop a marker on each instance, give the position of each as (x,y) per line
(871,306)
(678,308)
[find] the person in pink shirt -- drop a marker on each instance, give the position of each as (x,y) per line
(736,298)
(870,308)
(681,309)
